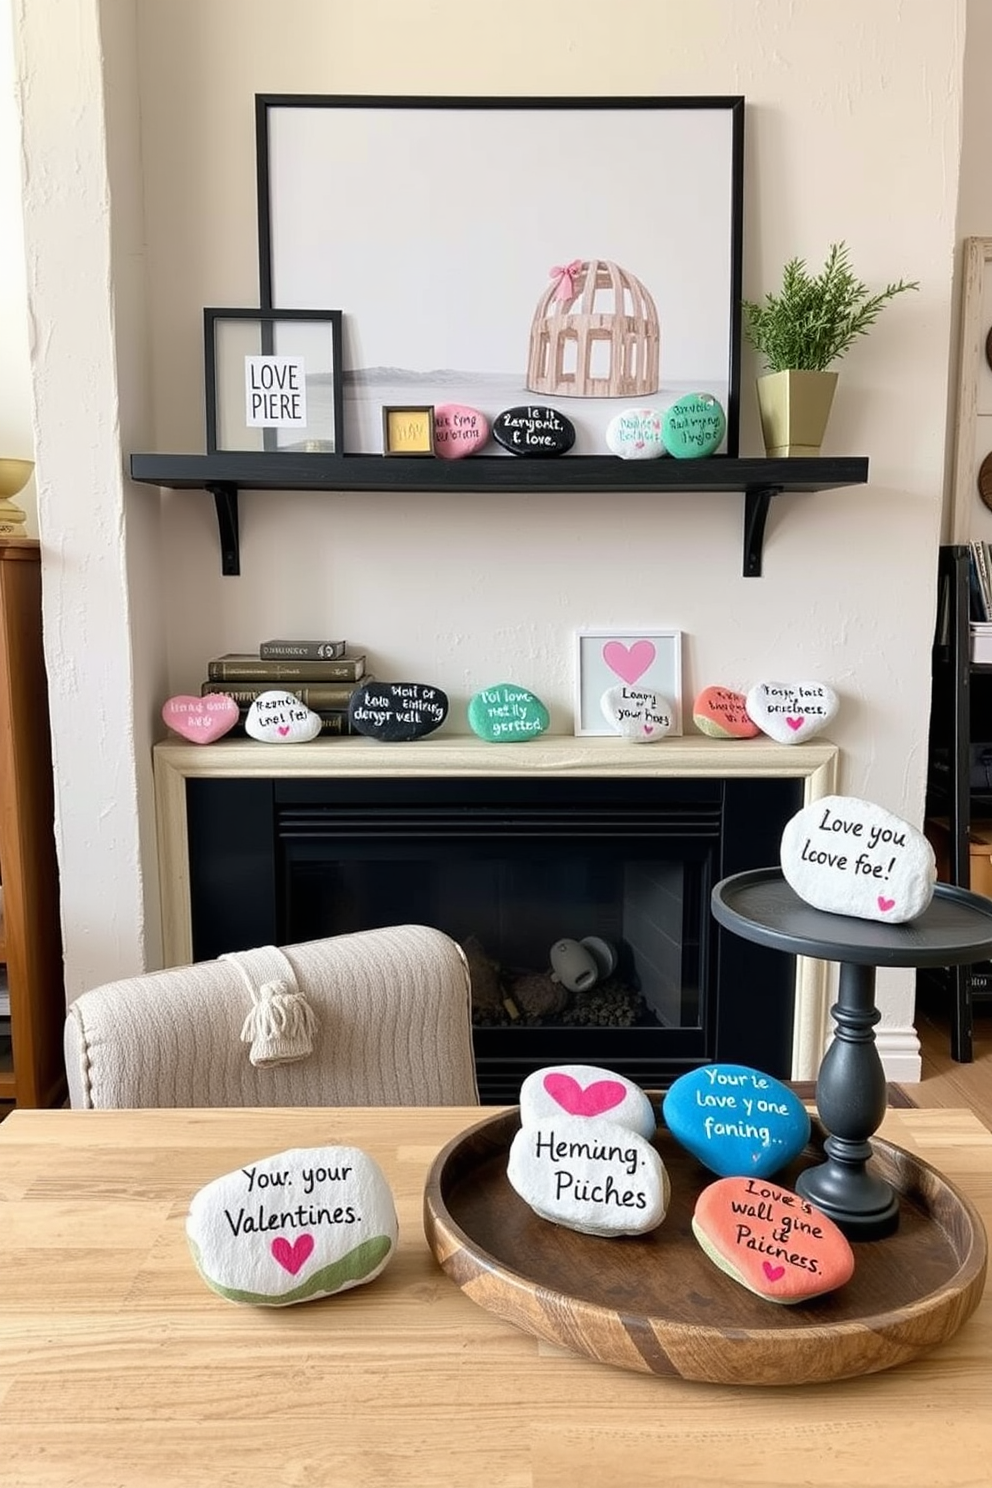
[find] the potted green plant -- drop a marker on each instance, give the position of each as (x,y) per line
(800,332)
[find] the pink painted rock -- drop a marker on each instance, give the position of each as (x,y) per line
(771,1240)
(458,430)
(201,720)
(723,714)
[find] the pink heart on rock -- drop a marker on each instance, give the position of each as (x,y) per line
(629,662)
(458,430)
(795,723)
(885,904)
(600,1096)
(292,1257)
(774,1273)
(201,720)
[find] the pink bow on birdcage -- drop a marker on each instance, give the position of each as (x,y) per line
(565,275)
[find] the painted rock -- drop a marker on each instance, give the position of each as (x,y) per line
(694,426)
(277,717)
(791,712)
(722,714)
(771,1240)
(397,711)
(201,720)
(638,713)
(584,1091)
(736,1120)
(303,1224)
(635,434)
(458,430)
(507,714)
(534,429)
(597,1177)
(852,857)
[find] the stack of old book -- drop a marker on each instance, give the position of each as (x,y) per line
(322,674)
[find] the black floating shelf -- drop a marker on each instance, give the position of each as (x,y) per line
(224,475)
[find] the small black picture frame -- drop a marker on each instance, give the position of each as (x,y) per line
(273,381)
(408,429)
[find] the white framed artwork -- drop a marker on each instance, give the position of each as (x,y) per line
(649,659)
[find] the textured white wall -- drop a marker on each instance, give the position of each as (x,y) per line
(853,131)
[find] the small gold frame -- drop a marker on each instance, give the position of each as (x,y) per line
(406,430)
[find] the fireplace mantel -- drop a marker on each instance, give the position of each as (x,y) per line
(814,763)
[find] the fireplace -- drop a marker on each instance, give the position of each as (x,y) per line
(511,850)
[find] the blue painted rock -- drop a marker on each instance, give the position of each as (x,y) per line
(638,713)
(277,717)
(851,857)
(722,714)
(586,1091)
(693,426)
(458,430)
(771,1240)
(593,1176)
(791,712)
(397,711)
(534,429)
(303,1224)
(635,434)
(735,1120)
(507,714)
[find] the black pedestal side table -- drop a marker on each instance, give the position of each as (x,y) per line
(954,930)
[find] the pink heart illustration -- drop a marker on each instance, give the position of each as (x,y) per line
(649,728)
(774,1273)
(638,443)
(600,1096)
(795,723)
(292,1257)
(629,662)
(885,904)
(283,729)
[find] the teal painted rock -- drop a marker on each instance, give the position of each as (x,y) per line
(507,714)
(694,426)
(737,1121)
(290,1228)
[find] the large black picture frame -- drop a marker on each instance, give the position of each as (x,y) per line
(434,220)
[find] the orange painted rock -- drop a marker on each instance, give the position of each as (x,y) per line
(722,714)
(771,1240)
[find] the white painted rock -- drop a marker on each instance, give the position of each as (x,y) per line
(852,857)
(585,1092)
(635,434)
(638,713)
(597,1177)
(791,712)
(277,717)
(290,1228)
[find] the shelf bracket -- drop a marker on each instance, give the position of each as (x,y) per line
(757,500)
(225,496)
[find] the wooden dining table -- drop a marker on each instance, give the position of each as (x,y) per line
(120,1368)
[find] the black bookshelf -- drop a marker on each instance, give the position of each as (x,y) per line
(223,476)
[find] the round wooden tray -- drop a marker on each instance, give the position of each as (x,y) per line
(656,1303)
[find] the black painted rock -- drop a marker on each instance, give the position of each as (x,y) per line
(397,711)
(534,429)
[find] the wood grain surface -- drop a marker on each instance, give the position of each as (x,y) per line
(118,1366)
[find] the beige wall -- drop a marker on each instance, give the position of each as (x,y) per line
(853,131)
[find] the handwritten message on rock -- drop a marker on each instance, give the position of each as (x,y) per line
(693,426)
(397,711)
(289,1228)
(722,714)
(635,434)
(507,714)
(585,1091)
(458,430)
(771,1240)
(277,717)
(851,857)
(638,713)
(791,712)
(597,1177)
(201,720)
(534,429)
(736,1120)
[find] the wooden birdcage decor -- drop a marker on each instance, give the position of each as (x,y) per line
(595,334)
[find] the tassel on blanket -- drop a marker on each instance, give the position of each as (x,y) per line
(280,1027)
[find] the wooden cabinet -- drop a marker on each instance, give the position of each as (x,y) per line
(31,1067)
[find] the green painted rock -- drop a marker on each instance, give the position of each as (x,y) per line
(694,426)
(507,714)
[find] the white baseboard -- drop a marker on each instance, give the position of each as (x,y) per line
(899,1051)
